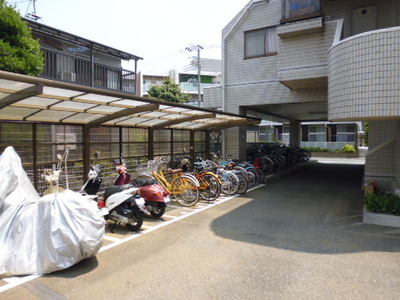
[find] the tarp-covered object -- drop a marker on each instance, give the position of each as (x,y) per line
(40,235)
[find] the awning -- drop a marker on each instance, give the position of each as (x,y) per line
(33,99)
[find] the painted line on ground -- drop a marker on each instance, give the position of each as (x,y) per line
(192,212)
(15,281)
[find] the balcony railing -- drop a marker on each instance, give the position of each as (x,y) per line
(193,87)
(82,71)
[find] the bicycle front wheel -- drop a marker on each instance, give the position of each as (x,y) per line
(261,176)
(251,178)
(185,190)
(230,183)
(210,187)
(243,184)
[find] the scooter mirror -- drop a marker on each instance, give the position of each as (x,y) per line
(96,154)
(59,157)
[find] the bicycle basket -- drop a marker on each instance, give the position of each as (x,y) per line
(156,165)
(141,170)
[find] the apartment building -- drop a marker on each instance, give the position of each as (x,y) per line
(187,77)
(308,60)
(74,59)
(331,136)
(148,80)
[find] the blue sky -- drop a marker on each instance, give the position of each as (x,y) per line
(157,30)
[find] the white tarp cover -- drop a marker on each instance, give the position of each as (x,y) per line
(40,235)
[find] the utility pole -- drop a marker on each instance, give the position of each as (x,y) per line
(197,48)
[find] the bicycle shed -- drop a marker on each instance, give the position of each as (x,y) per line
(41,117)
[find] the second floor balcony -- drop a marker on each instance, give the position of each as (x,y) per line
(303,52)
(364,76)
(192,87)
(75,59)
(70,68)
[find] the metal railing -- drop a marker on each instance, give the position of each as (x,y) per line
(82,71)
(190,86)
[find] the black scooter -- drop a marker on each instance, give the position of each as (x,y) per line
(92,185)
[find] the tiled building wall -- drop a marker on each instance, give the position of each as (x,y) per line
(239,70)
(364,72)
(212,97)
(301,27)
(382,165)
(364,76)
(305,56)
(255,81)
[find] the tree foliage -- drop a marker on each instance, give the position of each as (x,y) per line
(366,131)
(19,51)
(169,92)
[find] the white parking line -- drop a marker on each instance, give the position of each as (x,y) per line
(16,281)
(169,216)
(189,213)
(110,238)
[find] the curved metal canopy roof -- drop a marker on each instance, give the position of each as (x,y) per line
(33,99)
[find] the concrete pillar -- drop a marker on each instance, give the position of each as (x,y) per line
(242,142)
(382,163)
(295,133)
(231,142)
(242,149)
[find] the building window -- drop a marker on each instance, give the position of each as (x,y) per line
(261,42)
(317,133)
(346,133)
(293,10)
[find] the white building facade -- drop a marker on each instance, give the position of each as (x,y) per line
(308,61)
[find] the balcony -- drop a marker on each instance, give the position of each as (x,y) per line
(303,52)
(192,87)
(364,76)
(70,68)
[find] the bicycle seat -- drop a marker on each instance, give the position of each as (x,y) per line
(174,171)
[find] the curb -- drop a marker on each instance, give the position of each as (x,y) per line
(380,219)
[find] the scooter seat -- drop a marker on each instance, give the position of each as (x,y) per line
(144,181)
(116,189)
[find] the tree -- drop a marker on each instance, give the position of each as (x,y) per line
(169,92)
(19,51)
(366,132)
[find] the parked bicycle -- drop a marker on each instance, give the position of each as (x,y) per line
(273,157)
(240,172)
(229,180)
(184,188)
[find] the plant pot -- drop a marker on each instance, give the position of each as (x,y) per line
(380,219)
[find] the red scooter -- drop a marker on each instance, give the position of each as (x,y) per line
(156,198)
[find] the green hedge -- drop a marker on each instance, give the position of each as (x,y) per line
(347,149)
(380,202)
(315,149)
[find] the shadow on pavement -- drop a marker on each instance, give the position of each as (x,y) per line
(83,267)
(315,210)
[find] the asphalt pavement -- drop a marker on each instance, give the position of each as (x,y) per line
(299,236)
